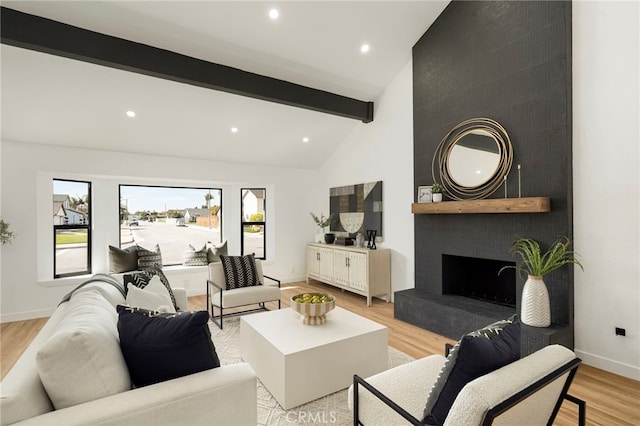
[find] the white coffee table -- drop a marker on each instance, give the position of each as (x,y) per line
(299,363)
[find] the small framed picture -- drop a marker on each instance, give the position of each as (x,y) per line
(424,194)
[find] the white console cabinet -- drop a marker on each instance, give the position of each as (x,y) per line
(359,270)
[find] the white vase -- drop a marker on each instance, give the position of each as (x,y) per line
(535,311)
(437,197)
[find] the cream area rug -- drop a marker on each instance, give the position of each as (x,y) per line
(329,410)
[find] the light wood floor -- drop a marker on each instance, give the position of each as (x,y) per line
(611,399)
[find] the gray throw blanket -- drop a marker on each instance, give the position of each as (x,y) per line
(105,278)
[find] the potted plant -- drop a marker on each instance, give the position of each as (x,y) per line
(436,190)
(322,222)
(5,235)
(535,310)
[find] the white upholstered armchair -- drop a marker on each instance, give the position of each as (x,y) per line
(221,298)
(528,391)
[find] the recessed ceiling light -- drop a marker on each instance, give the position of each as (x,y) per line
(365,48)
(305,140)
(273,14)
(131,114)
(234,130)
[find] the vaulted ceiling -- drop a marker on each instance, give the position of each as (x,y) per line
(51,99)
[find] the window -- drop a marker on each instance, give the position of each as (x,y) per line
(71,228)
(253,222)
(171,217)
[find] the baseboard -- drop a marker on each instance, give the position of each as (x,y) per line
(615,367)
(23,316)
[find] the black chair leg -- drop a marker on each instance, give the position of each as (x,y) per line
(582,408)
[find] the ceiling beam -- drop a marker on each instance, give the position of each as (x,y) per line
(45,35)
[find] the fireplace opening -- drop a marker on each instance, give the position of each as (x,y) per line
(478,279)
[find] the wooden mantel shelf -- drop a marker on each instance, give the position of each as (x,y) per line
(494,205)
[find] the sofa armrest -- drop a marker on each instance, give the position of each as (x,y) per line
(407,385)
(181,298)
(225,395)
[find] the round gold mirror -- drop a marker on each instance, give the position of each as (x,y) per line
(472,159)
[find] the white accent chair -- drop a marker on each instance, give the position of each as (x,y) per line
(221,298)
(528,391)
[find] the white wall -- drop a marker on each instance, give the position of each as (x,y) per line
(27,288)
(606,182)
(383,150)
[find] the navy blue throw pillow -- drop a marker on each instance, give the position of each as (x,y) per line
(163,346)
(476,354)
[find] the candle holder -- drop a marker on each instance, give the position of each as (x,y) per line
(505,186)
(519,182)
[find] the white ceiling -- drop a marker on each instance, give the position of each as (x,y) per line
(54,100)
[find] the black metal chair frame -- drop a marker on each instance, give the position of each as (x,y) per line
(571,367)
(219,319)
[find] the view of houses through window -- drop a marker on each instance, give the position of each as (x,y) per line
(254,222)
(173,218)
(71,227)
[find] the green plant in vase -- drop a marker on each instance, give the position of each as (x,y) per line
(436,191)
(536,309)
(322,222)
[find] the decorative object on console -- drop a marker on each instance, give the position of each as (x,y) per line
(536,310)
(473,159)
(359,240)
(425,194)
(352,222)
(313,307)
(344,241)
(371,238)
(329,238)
(436,190)
(357,207)
(322,222)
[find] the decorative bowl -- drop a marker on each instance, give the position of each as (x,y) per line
(313,307)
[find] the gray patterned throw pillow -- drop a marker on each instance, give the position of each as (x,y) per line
(193,257)
(149,259)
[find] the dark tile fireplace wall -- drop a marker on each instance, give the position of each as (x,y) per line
(509,61)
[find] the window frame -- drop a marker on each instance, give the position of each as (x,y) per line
(86,226)
(263,223)
(120,198)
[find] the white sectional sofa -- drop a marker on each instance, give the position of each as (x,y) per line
(225,395)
